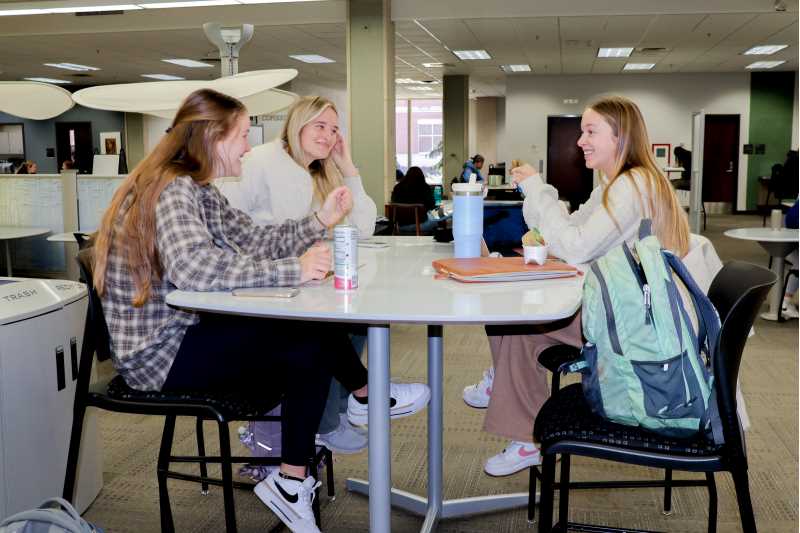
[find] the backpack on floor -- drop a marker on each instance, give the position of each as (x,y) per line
(643,364)
(54,515)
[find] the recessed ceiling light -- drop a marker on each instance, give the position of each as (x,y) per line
(404,81)
(90,9)
(48,80)
(638,66)
(515,68)
(312,58)
(16,12)
(614,52)
(764,64)
(191,3)
(417,88)
(765,50)
(472,54)
(71,66)
(163,77)
(190,63)
(433,65)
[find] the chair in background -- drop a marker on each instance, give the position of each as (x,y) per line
(775,188)
(566,426)
(405,215)
(222,408)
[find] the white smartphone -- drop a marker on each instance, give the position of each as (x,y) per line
(268,292)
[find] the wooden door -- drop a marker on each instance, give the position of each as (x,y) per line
(721,159)
(566,170)
(74,141)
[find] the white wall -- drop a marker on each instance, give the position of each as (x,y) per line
(666,101)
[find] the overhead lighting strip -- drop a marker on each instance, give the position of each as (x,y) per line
(26,9)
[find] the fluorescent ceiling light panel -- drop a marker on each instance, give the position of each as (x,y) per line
(162,77)
(765,50)
(416,88)
(516,68)
(472,54)
(16,12)
(72,66)
(614,52)
(404,81)
(48,80)
(191,3)
(638,66)
(764,64)
(190,63)
(433,65)
(90,9)
(312,58)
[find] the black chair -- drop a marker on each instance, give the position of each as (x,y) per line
(566,426)
(775,188)
(405,214)
(222,408)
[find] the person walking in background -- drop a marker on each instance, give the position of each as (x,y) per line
(472,166)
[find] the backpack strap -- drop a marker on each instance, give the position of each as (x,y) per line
(48,517)
(645,228)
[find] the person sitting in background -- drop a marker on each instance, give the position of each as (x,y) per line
(413,189)
(68,164)
(398,174)
(473,166)
(28,167)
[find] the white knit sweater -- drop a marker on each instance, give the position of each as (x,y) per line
(274,188)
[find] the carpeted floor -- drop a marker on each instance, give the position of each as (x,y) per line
(129,499)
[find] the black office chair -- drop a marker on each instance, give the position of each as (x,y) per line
(566,426)
(118,397)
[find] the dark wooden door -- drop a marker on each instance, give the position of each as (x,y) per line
(566,170)
(74,141)
(721,158)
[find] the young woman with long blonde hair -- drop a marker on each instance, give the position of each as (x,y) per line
(615,143)
(168,228)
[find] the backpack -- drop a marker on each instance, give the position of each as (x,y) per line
(54,515)
(642,364)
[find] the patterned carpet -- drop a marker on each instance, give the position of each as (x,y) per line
(129,499)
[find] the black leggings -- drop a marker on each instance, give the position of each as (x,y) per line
(249,355)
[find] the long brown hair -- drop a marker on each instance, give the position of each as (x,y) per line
(190,148)
(635,156)
(325,173)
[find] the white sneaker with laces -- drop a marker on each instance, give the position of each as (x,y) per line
(344,439)
(407,399)
(517,456)
(290,500)
(788,310)
(478,395)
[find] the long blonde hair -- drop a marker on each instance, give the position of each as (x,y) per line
(324,173)
(635,155)
(190,148)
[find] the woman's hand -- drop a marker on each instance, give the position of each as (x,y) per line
(315,263)
(338,203)
(521,173)
(342,158)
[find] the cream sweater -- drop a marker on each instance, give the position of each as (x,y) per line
(274,188)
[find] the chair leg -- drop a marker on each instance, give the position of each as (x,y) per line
(533,471)
(79,414)
(712,502)
(743,498)
(329,473)
(563,494)
(167,525)
(201,451)
(226,467)
(312,471)
(547,494)
(555,384)
(667,492)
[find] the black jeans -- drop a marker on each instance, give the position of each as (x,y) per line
(248,355)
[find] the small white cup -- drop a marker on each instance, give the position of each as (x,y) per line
(776,219)
(535,254)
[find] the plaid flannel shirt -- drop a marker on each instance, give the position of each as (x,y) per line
(203,244)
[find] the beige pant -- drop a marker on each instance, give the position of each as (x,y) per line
(520,385)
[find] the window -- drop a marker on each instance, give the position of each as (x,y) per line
(418,137)
(429,133)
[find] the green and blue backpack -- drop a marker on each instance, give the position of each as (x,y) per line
(643,364)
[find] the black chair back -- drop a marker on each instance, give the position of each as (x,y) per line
(100,340)
(737,292)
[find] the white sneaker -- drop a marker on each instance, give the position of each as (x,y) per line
(407,399)
(478,395)
(517,456)
(788,310)
(290,500)
(344,439)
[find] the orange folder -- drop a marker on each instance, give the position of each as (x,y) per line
(482,269)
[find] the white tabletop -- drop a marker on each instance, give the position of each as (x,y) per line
(764,234)
(68,236)
(19,232)
(788,203)
(397,285)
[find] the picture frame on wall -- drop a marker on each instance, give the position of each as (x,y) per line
(661,153)
(110,142)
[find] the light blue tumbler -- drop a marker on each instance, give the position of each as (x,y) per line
(467,219)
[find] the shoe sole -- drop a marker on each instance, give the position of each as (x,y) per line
(475,405)
(273,501)
(417,406)
(509,471)
(342,451)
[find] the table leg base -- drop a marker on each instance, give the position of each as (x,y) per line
(418,505)
(770,315)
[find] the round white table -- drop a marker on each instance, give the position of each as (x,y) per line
(68,236)
(9,233)
(778,243)
(396,286)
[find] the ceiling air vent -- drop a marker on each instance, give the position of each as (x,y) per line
(99,13)
(652,50)
(81,75)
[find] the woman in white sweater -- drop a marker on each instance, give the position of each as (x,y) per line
(286,179)
(614,141)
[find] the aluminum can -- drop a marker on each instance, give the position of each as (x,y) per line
(345,257)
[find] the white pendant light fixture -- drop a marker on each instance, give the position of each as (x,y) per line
(33,100)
